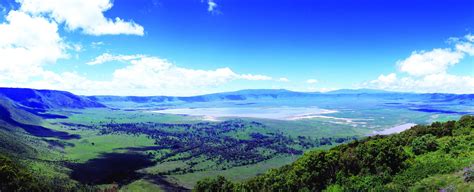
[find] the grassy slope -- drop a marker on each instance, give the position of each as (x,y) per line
(141,186)
(34,161)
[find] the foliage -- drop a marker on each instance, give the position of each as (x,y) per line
(423,144)
(444,182)
(15,177)
(220,184)
(229,144)
(379,163)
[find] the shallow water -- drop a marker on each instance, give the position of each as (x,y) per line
(396,129)
(281,113)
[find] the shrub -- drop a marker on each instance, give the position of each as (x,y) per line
(219,184)
(423,144)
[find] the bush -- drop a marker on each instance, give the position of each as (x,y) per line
(424,144)
(219,184)
(15,177)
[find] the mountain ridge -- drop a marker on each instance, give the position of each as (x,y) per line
(255,94)
(41,99)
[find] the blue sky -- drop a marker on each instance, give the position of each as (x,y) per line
(198,46)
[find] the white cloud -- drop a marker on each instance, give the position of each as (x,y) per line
(384,81)
(211,6)
(134,59)
(87,15)
(427,71)
(106,57)
(431,62)
(29,37)
(434,83)
(283,79)
(465,47)
(97,44)
(144,75)
(469,37)
(27,43)
(325,89)
(315,89)
(311,81)
(158,74)
(255,77)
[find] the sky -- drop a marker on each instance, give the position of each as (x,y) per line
(191,47)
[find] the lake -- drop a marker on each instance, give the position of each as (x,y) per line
(280,113)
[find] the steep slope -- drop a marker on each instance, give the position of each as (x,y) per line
(47,99)
(407,161)
(25,144)
(14,118)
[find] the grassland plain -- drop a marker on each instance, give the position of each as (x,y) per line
(93,144)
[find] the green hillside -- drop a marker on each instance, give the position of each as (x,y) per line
(439,156)
(27,163)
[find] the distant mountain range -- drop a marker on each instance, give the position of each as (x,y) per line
(51,99)
(256,94)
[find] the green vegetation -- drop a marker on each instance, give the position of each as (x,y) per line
(15,177)
(423,144)
(141,186)
(423,158)
(93,145)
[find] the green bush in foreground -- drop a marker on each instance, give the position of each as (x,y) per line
(14,177)
(423,144)
(423,158)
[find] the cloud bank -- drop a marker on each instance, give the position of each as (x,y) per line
(427,71)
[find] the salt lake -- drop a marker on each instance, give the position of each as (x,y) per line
(280,113)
